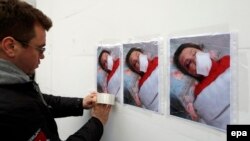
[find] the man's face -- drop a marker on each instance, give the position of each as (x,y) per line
(187,60)
(104,60)
(134,60)
(28,58)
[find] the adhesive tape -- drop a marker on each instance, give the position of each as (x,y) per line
(105,98)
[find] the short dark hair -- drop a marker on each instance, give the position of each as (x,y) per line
(127,59)
(18,18)
(100,57)
(178,53)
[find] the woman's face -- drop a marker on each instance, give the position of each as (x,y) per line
(187,60)
(134,60)
(104,60)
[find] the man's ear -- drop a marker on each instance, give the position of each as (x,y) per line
(8,45)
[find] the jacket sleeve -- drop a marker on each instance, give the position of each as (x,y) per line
(91,131)
(64,106)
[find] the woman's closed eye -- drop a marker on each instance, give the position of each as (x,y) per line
(135,63)
(187,63)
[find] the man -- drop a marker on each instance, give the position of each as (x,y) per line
(26,113)
(212,93)
(112,68)
(148,78)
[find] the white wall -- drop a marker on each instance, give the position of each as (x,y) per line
(69,68)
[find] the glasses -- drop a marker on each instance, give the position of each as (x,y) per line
(41,50)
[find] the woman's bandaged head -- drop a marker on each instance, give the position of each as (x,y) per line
(143,61)
(203,63)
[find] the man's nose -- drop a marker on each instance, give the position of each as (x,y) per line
(42,56)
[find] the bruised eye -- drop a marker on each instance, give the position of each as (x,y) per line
(187,63)
(135,63)
(104,63)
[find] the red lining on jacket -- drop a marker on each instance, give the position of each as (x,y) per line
(115,66)
(151,67)
(217,69)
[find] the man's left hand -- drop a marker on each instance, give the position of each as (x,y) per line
(89,101)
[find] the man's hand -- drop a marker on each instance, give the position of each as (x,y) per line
(101,111)
(89,101)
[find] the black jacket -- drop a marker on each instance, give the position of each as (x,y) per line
(24,116)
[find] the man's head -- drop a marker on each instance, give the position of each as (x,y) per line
(132,60)
(185,59)
(103,60)
(22,36)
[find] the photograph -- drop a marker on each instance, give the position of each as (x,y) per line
(200,79)
(109,70)
(141,75)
